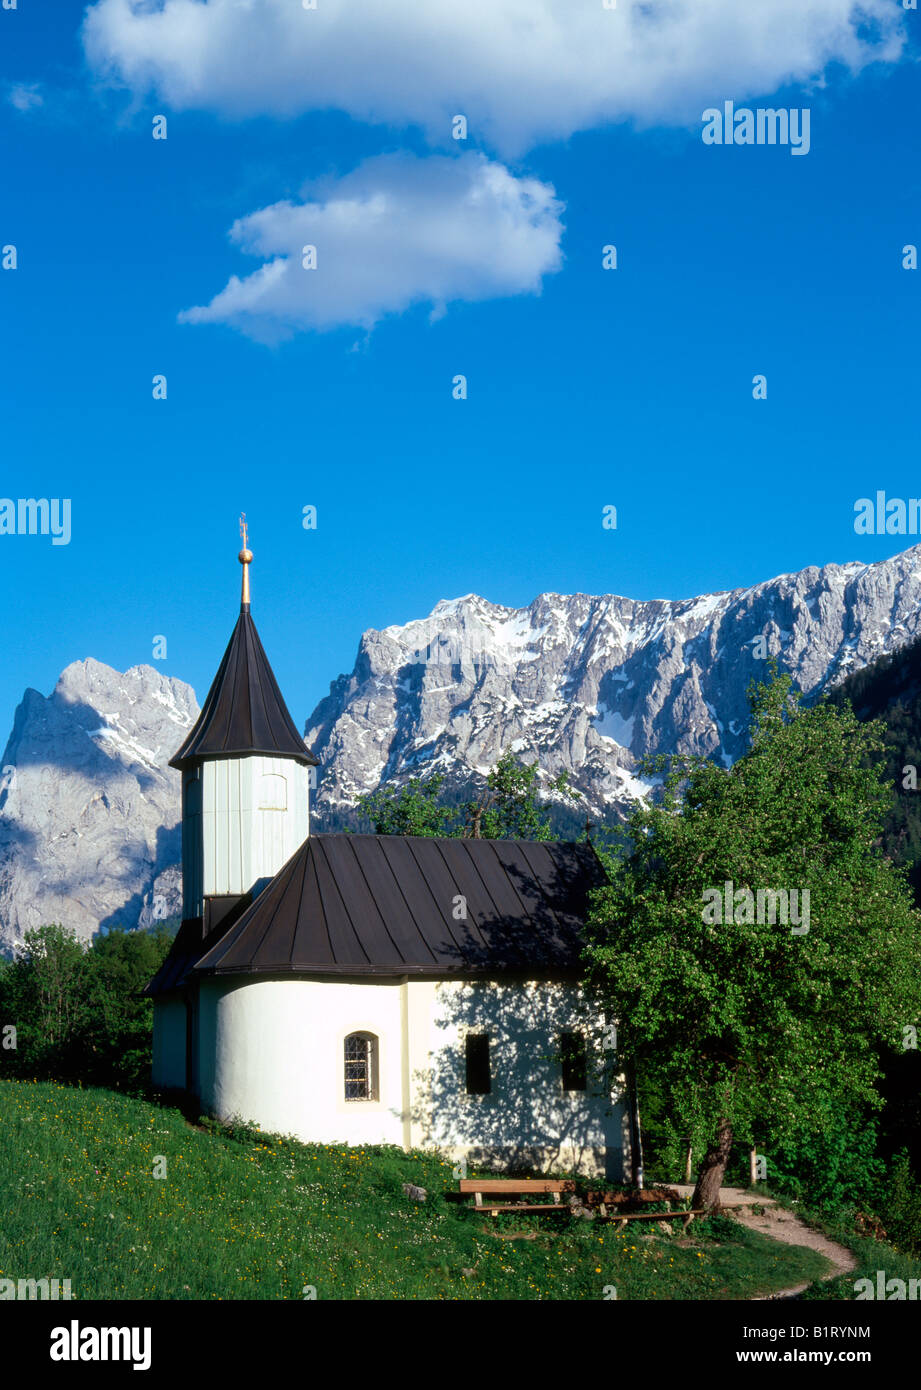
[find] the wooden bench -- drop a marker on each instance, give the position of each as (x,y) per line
(479,1188)
(622,1217)
(606,1200)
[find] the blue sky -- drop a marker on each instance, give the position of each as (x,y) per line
(585,388)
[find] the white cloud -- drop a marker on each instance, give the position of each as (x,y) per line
(25,96)
(395,232)
(520,70)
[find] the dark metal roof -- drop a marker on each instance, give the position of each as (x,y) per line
(384,905)
(244,711)
(195,936)
(184,952)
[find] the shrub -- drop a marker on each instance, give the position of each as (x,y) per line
(903,1206)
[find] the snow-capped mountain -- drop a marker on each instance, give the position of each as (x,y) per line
(89,809)
(588,684)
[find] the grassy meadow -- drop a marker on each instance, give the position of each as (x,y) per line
(240,1215)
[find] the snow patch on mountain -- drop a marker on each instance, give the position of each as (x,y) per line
(589,684)
(89,809)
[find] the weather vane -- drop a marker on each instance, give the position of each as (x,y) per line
(246,558)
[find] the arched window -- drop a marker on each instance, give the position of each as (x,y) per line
(361,1066)
(273,792)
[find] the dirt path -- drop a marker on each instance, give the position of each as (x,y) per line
(781,1225)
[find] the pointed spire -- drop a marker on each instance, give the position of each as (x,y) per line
(244,711)
(246,559)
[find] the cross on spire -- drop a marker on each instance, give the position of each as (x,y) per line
(246,558)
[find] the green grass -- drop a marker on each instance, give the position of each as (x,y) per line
(871,1255)
(244,1215)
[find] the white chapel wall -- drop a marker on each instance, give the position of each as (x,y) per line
(271,1052)
(527,1119)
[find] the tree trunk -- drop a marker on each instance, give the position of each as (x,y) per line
(752,1167)
(638,1137)
(710,1176)
(688,1170)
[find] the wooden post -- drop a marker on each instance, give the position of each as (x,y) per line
(752,1167)
(688,1169)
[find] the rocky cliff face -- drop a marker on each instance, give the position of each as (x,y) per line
(588,684)
(89,810)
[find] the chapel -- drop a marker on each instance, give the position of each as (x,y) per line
(373,989)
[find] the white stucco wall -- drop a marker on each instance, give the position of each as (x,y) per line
(271,1051)
(241,822)
(169,1025)
(527,1119)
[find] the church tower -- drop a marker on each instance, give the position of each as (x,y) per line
(245,779)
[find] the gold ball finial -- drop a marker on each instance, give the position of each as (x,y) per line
(246,558)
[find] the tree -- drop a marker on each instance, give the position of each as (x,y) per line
(755,944)
(77,1009)
(114,1039)
(508,808)
(413,809)
(43,992)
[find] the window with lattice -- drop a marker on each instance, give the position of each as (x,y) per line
(361,1066)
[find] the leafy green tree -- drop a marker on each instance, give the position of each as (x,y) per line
(508,808)
(114,1040)
(757,1028)
(834,1169)
(889,689)
(43,993)
(903,1206)
(78,1010)
(413,809)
